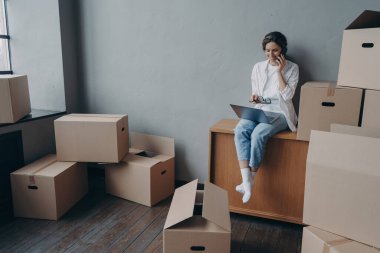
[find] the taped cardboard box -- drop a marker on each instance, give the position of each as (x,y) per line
(146,174)
(360,52)
(198,220)
(353,130)
(342,186)
(323,103)
(371,109)
(47,189)
(315,240)
(14,98)
(91,137)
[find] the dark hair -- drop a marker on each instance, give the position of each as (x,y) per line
(277,38)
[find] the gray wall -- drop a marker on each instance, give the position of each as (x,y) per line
(36,50)
(174,66)
(68,15)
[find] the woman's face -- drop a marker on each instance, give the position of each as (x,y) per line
(272,51)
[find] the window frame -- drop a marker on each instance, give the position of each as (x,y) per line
(6,37)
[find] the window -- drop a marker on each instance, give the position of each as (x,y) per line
(5,64)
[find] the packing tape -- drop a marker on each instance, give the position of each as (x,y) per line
(331,90)
(329,244)
(32,180)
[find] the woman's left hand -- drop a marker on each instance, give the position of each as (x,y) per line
(281,61)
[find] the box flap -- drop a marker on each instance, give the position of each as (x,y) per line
(135,150)
(182,205)
(74,117)
(162,158)
(368,19)
(215,206)
(152,143)
(354,130)
(36,166)
(140,160)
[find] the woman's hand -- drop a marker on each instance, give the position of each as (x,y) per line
(281,61)
(254,98)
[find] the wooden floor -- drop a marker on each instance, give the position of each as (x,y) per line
(103,223)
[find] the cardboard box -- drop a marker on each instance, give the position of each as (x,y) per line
(198,220)
(14,98)
(371,109)
(360,53)
(342,186)
(323,103)
(315,240)
(353,130)
(91,137)
(47,189)
(146,174)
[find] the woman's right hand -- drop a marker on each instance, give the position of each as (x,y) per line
(254,98)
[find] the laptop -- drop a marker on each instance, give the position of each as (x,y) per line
(253,114)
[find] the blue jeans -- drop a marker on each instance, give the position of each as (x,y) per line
(251,139)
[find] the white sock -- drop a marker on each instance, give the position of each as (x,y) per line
(247,183)
(240,189)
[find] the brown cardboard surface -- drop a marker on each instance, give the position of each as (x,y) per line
(184,230)
(361,131)
(75,117)
(14,98)
(91,137)
(143,176)
(358,65)
(182,205)
(315,240)
(196,232)
(319,107)
(47,189)
(342,186)
(215,207)
(371,109)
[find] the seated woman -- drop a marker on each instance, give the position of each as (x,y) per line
(274,82)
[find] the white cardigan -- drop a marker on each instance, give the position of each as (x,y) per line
(291,74)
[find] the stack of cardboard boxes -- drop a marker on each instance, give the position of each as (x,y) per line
(144,173)
(342,184)
(49,187)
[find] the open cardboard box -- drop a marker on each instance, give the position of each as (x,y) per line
(47,189)
(14,98)
(342,186)
(146,174)
(360,53)
(198,220)
(91,137)
(315,240)
(323,103)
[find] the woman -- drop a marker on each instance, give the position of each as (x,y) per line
(274,82)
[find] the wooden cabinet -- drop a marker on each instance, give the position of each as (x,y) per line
(278,190)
